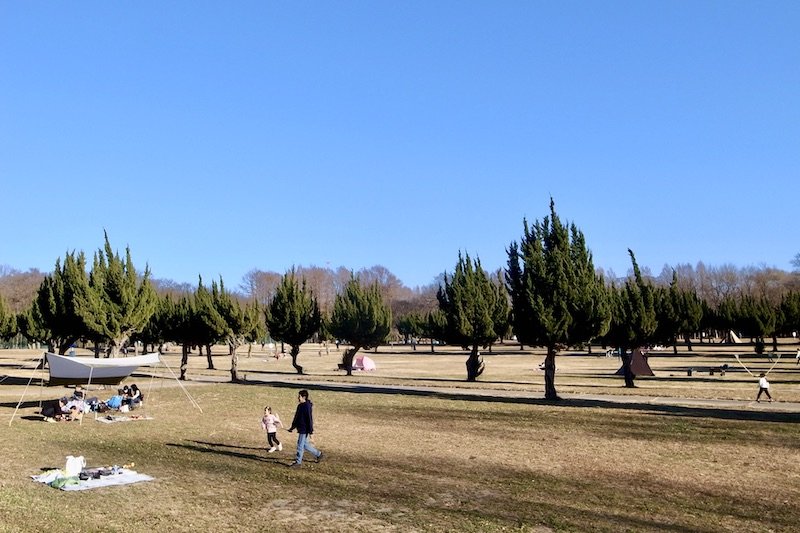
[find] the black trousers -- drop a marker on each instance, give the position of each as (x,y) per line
(272,439)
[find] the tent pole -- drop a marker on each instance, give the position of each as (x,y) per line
(25,390)
(41,364)
(91,370)
(181,385)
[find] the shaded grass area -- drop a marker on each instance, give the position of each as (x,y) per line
(398,462)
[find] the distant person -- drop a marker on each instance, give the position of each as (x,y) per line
(53,410)
(303,422)
(115,402)
(797,357)
(135,396)
(270,423)
(763,387)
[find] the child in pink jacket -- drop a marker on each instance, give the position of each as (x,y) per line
(270,424)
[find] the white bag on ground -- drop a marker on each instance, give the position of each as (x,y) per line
(74,465)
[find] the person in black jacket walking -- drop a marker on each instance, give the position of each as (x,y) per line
(304,424)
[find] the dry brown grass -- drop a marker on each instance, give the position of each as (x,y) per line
(413,462)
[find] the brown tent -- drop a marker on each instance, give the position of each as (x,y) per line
(639,365)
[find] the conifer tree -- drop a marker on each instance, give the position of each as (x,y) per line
(259,330)
(240,321)
(501,316)
(757,318)
(790,314)
(689,308)
(359,318)
(293,315)
(469,301)
(30,326)
(634,322)
(119,304)
(410,326)
(209,325)
(181,326)
(154,333)
(55,306)
(557,298)
(726,315)
(667,316)
(435,325)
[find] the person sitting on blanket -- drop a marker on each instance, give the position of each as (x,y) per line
(53,410)
(80,405)
(136,396)
(115,402)
(132,396)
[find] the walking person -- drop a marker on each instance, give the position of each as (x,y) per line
(763,387)
(270,423)
(303,422)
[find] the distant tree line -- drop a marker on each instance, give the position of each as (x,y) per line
(549,295)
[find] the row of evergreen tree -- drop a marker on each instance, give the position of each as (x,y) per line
(550,296)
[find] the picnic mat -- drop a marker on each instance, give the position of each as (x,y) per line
(110,419)
(56,479)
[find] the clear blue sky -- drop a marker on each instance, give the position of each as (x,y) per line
(218,137)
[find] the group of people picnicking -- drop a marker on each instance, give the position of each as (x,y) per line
(303,422)
(73,407)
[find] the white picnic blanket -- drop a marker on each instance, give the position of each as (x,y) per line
(124,477)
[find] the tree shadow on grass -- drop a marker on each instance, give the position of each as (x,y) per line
(16,380)
(223,445)
(228,450)
(373,377)
(24,405)
(610,403)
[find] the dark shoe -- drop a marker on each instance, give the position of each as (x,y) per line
(319,457)
(294,465)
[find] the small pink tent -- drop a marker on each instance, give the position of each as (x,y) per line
(364,363)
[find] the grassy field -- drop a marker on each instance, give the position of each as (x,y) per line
(420,462)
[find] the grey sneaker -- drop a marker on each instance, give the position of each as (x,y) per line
(320,457)
(294,465)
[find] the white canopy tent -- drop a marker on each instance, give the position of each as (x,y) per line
(66,370)
(70,370)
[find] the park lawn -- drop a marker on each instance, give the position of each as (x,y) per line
(399,462)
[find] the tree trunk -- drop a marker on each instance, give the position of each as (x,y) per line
(626,367)
(432,346)
(184,360)
(474,364)
(347,359)
(234,364)
(550,375)
(208,356)
(295,351)
(774,342)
